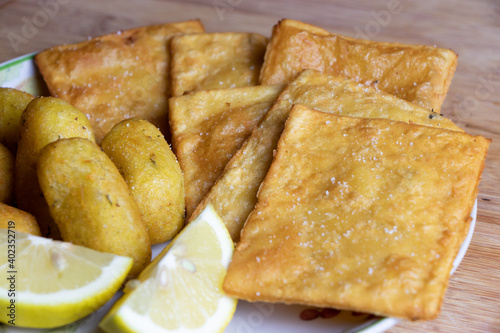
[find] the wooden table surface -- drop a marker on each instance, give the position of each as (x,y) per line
(470,28)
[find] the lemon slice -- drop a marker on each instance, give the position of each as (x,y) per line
(181,290)
(46,283)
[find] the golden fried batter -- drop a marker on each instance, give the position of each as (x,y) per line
(7,169)
(234,194)
(117,76)
(18,220)
(12,104)
(208,127)
(216,61)
(365,215)
(417,73)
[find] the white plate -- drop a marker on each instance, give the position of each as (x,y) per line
(21,73)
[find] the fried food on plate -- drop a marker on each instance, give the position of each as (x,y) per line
(417,73)
(234,194)
(364,215)
(17,220)
(12,104)
(216,61)
(117,76)
(90,202)
(7,163)
(208,127)
(46,119)
(152,173)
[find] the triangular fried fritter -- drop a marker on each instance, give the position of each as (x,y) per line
(208,127)
(117,76)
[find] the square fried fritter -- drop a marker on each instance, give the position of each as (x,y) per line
(417,73)
(216,61)
(208,127)
(234,194)
(116,76)
(364,215)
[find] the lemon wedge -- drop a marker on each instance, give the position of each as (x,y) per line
(181,290)
(46,283)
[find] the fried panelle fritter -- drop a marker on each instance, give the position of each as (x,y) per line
(364,215)
(216,61)
(234,194)
(117,76)
(417,73)
(208,127)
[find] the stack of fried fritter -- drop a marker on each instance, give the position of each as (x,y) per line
(334,170)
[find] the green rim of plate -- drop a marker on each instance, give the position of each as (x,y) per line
(17,60)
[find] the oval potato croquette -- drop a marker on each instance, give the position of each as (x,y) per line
(18,220)
(46,119)
(152,173)
(12,104)
(90,201)
(6,175)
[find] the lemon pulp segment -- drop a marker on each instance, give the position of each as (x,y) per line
(54,283)
(181,290)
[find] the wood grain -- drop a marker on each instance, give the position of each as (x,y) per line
(470,28)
